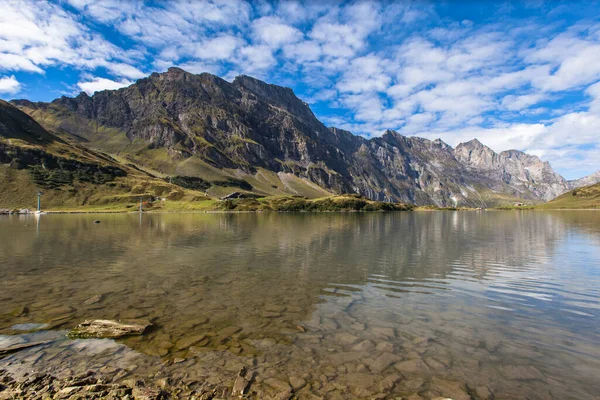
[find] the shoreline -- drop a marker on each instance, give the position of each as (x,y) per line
(95,385)
(417,209)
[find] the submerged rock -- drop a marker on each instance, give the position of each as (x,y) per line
(242,382)
(108,329)
(20,346)
(93,300)
(297,382)
(189,341)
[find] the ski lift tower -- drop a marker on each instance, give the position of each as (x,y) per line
(39,203)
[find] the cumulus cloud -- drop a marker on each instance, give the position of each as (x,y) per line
(35,35)
(218,48)
(367,66)
(256,58)
(274,32)
(9,84)
(98,84)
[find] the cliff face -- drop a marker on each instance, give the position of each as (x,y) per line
(530,177)
(178,123)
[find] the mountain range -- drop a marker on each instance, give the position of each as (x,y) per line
(203,133)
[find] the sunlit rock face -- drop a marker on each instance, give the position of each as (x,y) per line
(526,174)
(585,181)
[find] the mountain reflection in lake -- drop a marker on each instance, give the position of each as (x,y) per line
(461,304)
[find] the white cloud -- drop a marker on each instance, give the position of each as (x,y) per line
(304,51)
(515,103)
(17,62)
(125,70)
(365,74)
(197,67)
(218,48)
(42,34)
(274,32)
(256,58)
(574,57)
(98,84)
(9,84)
(377,63)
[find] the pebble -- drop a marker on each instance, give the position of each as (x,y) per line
(345,339)
(189,341)
(384,361)
(93,300)
(365,345)
(297,382)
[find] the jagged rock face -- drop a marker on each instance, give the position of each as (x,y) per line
(528,175)
(585,181)
(411,169)
(247,124)
(241,125)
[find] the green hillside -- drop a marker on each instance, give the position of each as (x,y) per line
(587,197)
(74,177)
(70,176)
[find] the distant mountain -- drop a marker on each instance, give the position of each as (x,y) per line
(185,126)
(585,181)
(585,197)
(527,174)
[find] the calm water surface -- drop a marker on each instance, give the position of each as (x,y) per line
(461,304)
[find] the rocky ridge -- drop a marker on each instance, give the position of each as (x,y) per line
(181,124)
(591,179)
(525,173)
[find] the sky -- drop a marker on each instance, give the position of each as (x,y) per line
(515,75)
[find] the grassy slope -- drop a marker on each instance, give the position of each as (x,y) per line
(162,164)
(587,197)
(18,186)
(349,202)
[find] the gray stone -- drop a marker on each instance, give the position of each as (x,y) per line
(103,328)
(242,382)
(384,361)
(365,345)
(93,300)
(345,339)
(297,382)
(186,342)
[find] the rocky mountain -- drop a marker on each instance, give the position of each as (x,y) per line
(530,177)
(70,175)
(584,197)
(183,126)
(585,181)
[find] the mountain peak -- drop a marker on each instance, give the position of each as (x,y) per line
(174,72)
(263,89)
(473,144)
(586,180)
(275,95)
(439,142)
(392,133)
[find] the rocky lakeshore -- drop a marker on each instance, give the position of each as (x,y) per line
(90,385)
(303,306)
(230,376)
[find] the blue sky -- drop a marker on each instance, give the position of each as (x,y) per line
(521,75)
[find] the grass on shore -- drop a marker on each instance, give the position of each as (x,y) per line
(587,197)
(347,203)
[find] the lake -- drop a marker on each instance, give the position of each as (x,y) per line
(468,304)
